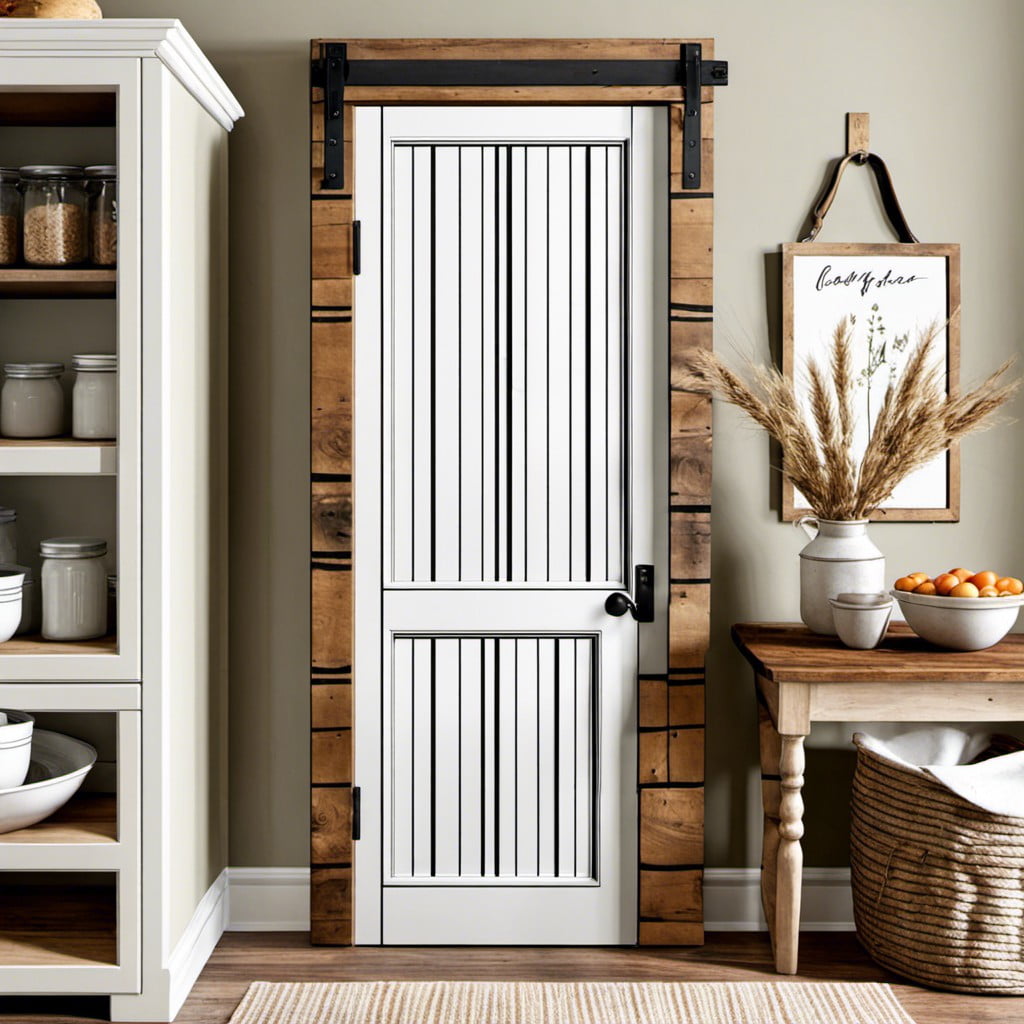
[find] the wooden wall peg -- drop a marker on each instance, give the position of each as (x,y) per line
(858,133)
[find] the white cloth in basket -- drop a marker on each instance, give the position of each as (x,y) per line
(995,785)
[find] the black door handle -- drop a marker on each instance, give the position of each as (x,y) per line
(642,609)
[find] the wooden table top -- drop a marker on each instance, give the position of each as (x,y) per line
(789,652)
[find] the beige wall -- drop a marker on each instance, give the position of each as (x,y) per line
(955,147)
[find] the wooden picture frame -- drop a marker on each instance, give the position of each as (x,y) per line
(670,771)
(894,291)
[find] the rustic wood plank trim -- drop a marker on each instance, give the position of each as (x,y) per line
(671,933)
(331,398)
(671,895)
(331,519)
(690,452)
(513,49)
(331,901)
(332,706)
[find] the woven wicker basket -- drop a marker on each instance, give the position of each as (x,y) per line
(938,884)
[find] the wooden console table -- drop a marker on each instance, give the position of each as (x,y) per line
(802,678)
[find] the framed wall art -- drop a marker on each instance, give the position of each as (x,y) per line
(891,293)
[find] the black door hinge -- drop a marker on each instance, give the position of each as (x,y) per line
(357,824)
(330,73)
(357,247)
(696,73)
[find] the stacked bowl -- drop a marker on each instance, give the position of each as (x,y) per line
(12,581)
(40,771)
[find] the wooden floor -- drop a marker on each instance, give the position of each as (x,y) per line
(286,956)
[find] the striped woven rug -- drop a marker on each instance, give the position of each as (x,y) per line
(477,1002)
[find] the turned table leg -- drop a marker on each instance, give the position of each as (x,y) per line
(769,743)
(790,859)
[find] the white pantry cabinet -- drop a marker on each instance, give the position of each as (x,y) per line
(122,893)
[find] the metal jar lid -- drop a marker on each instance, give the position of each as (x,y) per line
(51,172)
(73,547)
(8,515)
(94,363)
(30,371)
(104,172)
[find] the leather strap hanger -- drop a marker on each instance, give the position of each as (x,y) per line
(857,135)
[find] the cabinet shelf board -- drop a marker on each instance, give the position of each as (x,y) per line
(58,283)
(57,456)
(88,818)
(35,645)
(53,925)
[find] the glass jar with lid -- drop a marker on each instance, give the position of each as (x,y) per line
(74,580)
(55,224)
(10,216)
(101,184)
(32,400)
(94,397)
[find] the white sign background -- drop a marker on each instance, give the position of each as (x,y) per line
(894,299)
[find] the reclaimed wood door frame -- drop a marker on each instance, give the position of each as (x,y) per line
(670,705)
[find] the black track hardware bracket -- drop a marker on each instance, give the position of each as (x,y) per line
(333,72)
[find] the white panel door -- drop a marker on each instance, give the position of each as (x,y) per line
(504,341)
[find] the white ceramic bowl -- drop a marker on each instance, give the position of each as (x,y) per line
(29,622)
(59,766)
(861,624)
(12,580)
(15,747)
(960,623)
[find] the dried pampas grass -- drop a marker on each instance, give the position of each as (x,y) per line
(917,420)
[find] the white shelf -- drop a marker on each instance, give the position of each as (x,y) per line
(59,457)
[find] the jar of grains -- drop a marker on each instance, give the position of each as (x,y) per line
(10,216)
(32,400)
(55,223)
(94,397)
(74,588)
(8,535)
(102,187)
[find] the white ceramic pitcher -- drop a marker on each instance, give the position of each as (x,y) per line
(840,559)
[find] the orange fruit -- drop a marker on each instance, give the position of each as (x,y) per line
(921,577)
(906,583)
(984,579)
(1010,583)
(988,592)
(925,588)
(961,574)
(1007,593)
(964,589)
(945,582)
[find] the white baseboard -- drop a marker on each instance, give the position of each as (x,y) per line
(277,900)
(732,900)
(268,900)
(198,941)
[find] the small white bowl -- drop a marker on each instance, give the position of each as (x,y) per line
(959,623)
(10,613)
(861,624)
(15,747)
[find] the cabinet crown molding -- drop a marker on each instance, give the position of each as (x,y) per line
(163,38)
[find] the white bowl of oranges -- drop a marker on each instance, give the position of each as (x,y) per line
(960,609)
